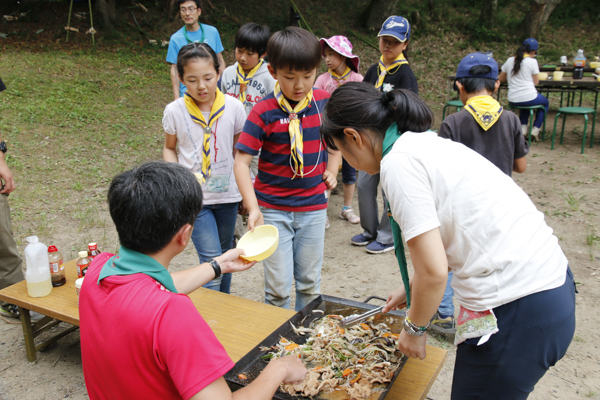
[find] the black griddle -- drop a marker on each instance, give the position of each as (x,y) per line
(252,365)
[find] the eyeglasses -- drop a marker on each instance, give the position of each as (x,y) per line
(186,10)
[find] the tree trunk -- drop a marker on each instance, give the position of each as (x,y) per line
(170,10)
(537,16)
(488,13)
(107,12)
(377,11)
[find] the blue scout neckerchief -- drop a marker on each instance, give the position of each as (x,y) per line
(391,135)
(129,262)
(191,41)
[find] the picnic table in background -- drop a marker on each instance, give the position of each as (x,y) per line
(239,324)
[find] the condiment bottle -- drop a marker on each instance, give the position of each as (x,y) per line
(579,63)
(82,263)
(37,276)
(57,269)
(92,251)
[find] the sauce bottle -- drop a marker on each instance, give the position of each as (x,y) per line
(57,269)
(92,251)
(82,263)
(37,275)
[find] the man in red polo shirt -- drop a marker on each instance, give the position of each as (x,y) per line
(141,336)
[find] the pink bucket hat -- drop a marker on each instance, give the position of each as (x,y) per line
(340,44)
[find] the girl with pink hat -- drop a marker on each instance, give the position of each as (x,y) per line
(342,67)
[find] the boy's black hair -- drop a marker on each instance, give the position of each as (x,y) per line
(198,3)
(294,48)
(253,37)
(151,202)
(473,85)
(196,50)
(360,106)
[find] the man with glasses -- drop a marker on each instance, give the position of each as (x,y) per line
(191,32)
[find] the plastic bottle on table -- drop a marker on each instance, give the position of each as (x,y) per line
(57,269)
(579,64)
(92,251)
(82,263)
(37,276)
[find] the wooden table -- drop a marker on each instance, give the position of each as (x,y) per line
(224,313)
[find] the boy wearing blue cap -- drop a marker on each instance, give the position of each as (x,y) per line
(484,127)
(521,73)
(392,71)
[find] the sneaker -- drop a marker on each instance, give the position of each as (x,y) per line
(359,240)
(443,325)
(349,215)
(535,134)
(327,225)
(9,310)
(525,130)
(377,248)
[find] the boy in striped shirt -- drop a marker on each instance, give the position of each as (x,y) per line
(294,169)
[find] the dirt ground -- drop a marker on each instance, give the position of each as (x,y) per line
(562,183)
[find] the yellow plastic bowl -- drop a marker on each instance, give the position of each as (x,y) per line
(260,244)
(543,76)
(198,177)
(595,64)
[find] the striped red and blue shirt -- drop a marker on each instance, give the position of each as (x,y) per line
(266,131)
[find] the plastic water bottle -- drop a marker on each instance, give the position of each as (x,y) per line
(39,282)
(579,60)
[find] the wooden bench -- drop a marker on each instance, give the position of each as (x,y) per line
(238,323)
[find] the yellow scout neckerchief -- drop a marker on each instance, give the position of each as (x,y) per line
(245,79)
(295,127)
(339,78)
(526,55)
(485,109)
(383,71)
(217,110)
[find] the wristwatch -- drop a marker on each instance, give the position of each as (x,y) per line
(213,263)
(3,147)
(412,329)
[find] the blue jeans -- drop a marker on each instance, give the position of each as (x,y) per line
(447,306)
(348,173)
(539,116)
(213,236)
(298,258)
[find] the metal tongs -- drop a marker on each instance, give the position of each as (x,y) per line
(355,319)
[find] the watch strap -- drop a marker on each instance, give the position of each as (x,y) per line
(216,267)
(3,147)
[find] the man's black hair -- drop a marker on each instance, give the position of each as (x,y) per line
(151,202)
(198,3)
(294,48)
(473,85)
(253,37)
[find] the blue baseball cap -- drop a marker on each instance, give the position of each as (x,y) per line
(531,44)
(396,27)
(473,60)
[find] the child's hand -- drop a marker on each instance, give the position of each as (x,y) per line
(255,218)
(330,179)
(230,261)
(397,299)
(243,208)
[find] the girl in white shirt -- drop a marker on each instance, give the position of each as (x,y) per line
(521,72)
(458,211)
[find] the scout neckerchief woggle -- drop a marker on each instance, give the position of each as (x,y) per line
(245,78)
(341,77)
(217,110)
(485,109)
(295,127)
(383,70)
(129,262)
(391,135)
(190,40)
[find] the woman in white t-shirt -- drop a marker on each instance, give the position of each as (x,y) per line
(521,73)
(458,211)
(201,130)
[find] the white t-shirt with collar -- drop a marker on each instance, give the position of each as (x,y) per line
(190,138)
(497,243)
(520,86)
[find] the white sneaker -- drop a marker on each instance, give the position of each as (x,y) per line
(524,129)
(535,133)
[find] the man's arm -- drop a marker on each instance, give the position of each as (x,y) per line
(6,175)
(175,81)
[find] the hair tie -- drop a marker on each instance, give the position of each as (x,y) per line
(385,99)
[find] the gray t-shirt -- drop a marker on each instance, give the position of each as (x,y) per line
(502,144)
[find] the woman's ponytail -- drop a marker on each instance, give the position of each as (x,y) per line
(360,106)
(518,59)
